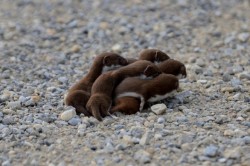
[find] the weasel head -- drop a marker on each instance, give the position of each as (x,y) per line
(112,61)
(151,71)
(153,55)
(183,71)
(174,67)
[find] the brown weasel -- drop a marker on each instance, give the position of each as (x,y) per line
(79,93)
(100,101)
(152,90)
(153,55)
(131,60)
(169,66)
(174,67)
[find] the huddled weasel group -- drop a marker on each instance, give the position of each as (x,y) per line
(117,84)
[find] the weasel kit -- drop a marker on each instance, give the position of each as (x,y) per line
(116,84)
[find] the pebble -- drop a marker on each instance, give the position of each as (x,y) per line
(234,153)
(14,105)
(8,120)
(159,109)
(228,132)
(6,131)
(142,157)
(74,121)
(243,37)
(202,81)
(228,89)
(146,138)
(211,151)
(244,76)
(116,47)
(75,48)
(68,114)
(161,120)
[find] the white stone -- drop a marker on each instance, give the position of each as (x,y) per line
(202,81)
(146,138)
(159,108)
(68,114)
(116,47)
(243,37)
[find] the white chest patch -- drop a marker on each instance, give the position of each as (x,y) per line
(133,94)
(108,68)
(161,97)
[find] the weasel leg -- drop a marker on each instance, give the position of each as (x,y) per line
(78,99)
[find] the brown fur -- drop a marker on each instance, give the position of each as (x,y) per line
(126,105)
(79,93)
(131,60)
(101,94)
(169,66)
(153,55)
(160,85)
(172,66)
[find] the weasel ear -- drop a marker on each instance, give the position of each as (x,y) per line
(160,56)
(149,71)
(107,61)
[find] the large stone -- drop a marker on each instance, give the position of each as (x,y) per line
(159,109)
(68,114)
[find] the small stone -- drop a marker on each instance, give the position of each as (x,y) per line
(68,114)
(116,47)
(120,147)
(63,80)
(146,138)
(202,81)
(109,147)
(247,139)
(160,120)
(74,121)
(240,118)
(137,131)
(200,62)
(182,2)
(235,83)
(159,109)
(158,136)
(6,131)
(228,89)
(108,121)
(244,76)
(75,48)
(7,111)
(14,104)
(182,119)
(8,120)
(6,163)
(226,77)
(243,37)
(142,156)
(197,69)
(222,160)
(211,151)
(233,153)
(228,133)
(35,98)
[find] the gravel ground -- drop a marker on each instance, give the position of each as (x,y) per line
(46,45)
